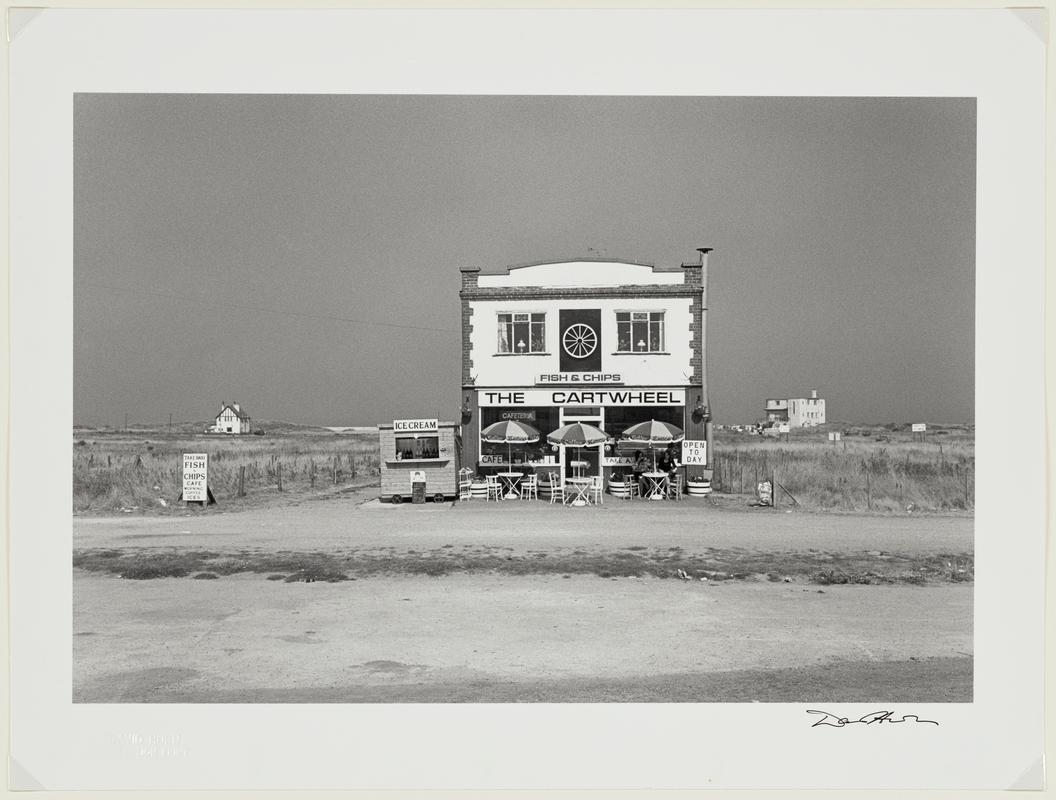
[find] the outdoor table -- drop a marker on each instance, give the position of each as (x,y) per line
(510,481)
(656,489)
(581,489)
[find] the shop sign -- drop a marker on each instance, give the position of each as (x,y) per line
(195,477)
(578,377)
(486,458)
(618,461)
(919,427)
(518,416)
(694,452)
(414,425)
(584,397)
(417,476)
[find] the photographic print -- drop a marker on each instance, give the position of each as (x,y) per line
(526,399)
(523,399)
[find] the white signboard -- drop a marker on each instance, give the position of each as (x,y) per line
(919,427)
(492,458)
(417,476)
(783,428)
(414,425)
(695,451)
(617,461)
(581,397)
(195,477)
(579,377)
(834,437)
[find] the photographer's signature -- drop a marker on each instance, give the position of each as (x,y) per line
(877,717)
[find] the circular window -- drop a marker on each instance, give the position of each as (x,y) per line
(579,340)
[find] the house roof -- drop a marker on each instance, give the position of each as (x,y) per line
(242,415)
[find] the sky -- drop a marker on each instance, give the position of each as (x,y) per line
(300,254)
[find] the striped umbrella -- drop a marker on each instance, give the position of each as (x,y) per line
(509,432)
(652,434)
(577,434)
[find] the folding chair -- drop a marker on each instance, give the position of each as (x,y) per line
(674,488)
(530,487)
(597,489)
(494,487)
(557,488)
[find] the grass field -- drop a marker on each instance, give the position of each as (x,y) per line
(878,469)
(140,471)
(872,468)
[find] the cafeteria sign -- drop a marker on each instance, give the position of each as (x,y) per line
(195,477)
(695,452)
(414,425)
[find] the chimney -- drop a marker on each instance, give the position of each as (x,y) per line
(235,405)
(695,273)
(813,395)
(469,277)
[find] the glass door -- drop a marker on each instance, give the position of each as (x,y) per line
(582,461)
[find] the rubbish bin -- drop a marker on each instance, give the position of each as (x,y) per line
(418,492)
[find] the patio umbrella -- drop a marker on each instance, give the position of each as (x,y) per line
(577,434)
(652,434)
(509,432)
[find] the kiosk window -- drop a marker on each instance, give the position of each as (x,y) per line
(640,331)
(422,447)
(522,333)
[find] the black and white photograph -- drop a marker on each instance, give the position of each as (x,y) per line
(518,393)
(523,399)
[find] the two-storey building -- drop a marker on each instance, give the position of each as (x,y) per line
(606,342)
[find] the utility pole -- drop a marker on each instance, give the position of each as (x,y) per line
(170,422)
(126,420)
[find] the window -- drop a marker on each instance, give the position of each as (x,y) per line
(522,333)
(640,331)
(417,447)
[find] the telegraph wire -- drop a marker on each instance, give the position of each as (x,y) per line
(260,309)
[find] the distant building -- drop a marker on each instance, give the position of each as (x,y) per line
(798,412)
(231,419)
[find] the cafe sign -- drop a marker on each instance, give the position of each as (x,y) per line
(414,425)
(694,452)
(195,477)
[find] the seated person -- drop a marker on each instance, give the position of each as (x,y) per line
(641,464)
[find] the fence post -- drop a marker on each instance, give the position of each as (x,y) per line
(352,464)
(868,491)
(773,489)
(242,481)
(966,487)
(278,471)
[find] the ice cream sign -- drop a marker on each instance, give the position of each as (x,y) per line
(414,425)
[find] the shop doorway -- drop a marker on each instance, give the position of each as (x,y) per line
(582,461)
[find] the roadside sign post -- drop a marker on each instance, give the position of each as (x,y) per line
(196,479)
(921,429)
(784,428)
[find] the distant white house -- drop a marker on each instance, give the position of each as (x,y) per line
(231,419)
(798,412)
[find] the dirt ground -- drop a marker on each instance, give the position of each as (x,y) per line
(360,520)
(503,638)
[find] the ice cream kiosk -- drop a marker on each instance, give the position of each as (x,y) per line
(419,460)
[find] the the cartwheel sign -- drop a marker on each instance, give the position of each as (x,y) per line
(583,397)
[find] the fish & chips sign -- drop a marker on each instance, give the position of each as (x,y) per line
(195,477)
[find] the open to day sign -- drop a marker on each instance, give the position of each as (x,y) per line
(195,477)
(695,451)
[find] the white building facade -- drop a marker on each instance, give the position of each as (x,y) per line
(798,412)
(606,342)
